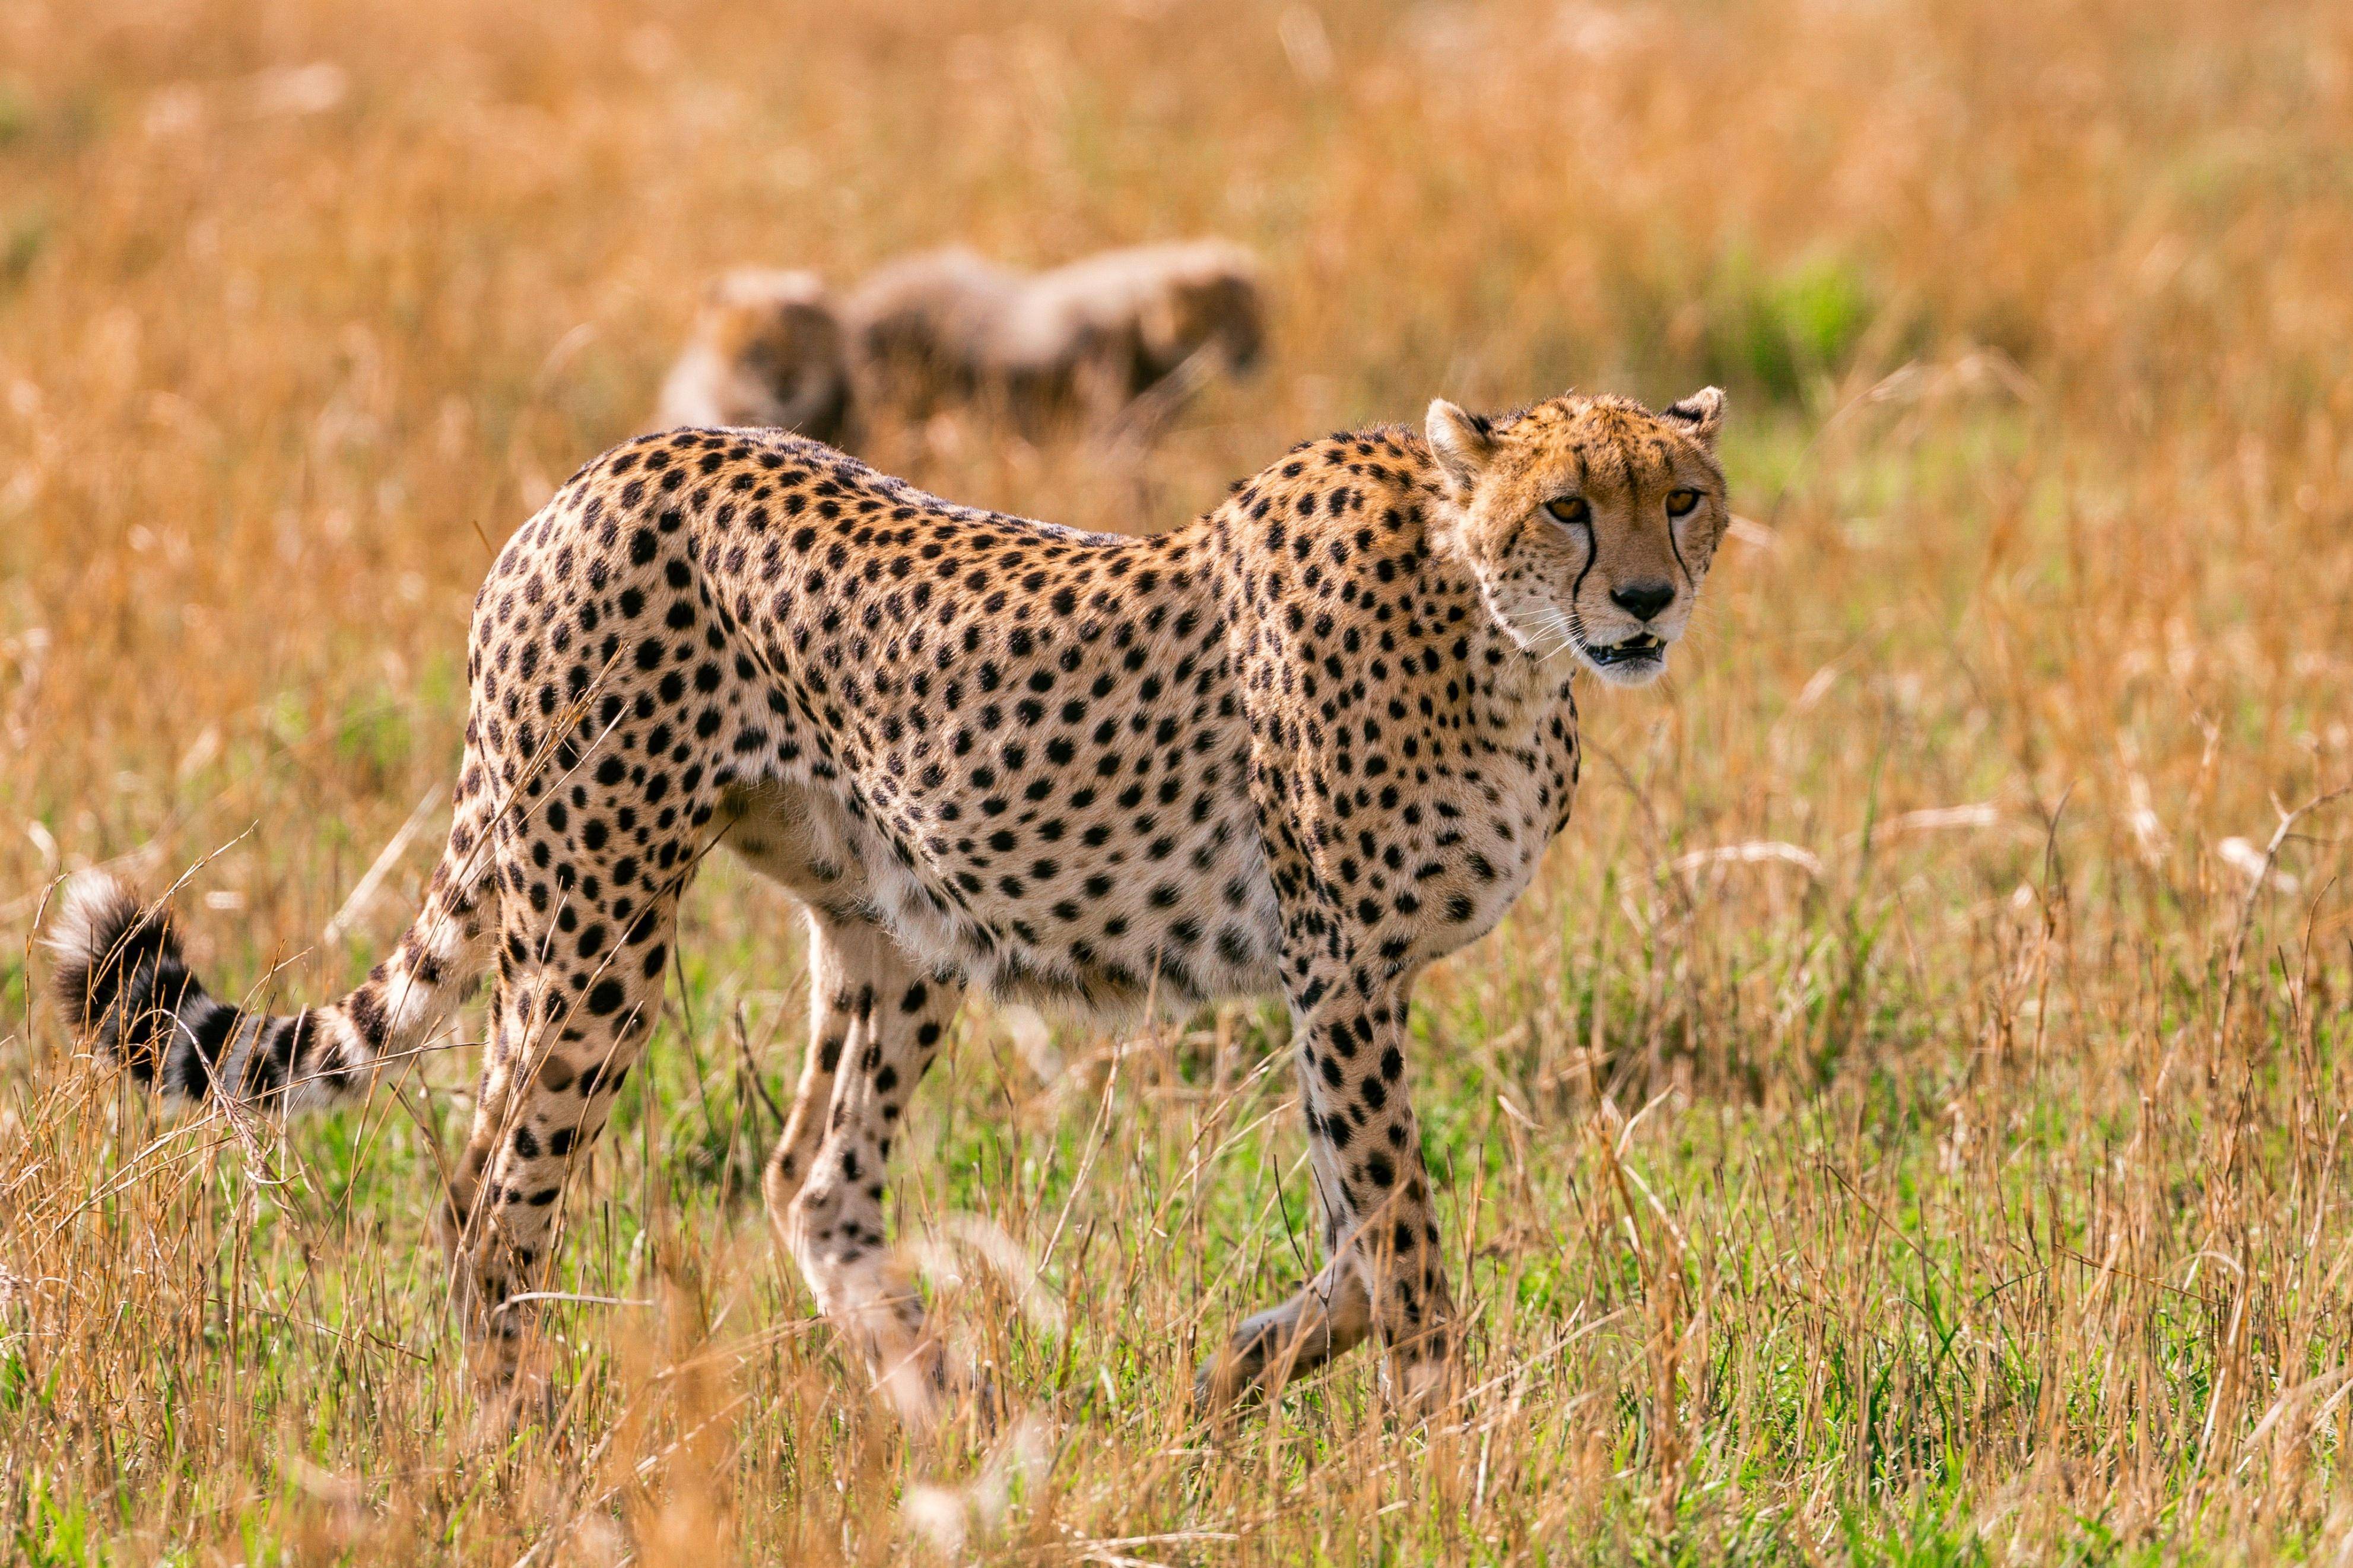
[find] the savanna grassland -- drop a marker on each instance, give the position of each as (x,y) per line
(1907,1121)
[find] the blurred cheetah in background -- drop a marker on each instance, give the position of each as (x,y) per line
(1310,742)
(1123,334)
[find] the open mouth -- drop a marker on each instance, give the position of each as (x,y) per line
(1640,648)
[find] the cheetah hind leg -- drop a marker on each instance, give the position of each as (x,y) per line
(1328,1316)
(569,1022)
(876,1023)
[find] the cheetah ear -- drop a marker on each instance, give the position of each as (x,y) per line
(1461,443)
(1701,415)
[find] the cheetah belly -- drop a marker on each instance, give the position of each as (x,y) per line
(1172,914)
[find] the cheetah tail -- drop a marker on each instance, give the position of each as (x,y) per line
(127,995)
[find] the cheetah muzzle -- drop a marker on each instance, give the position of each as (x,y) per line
(1310,743)
(1640,652)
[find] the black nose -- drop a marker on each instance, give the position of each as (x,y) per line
(1643,600)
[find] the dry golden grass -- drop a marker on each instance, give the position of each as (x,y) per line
(1897,1128)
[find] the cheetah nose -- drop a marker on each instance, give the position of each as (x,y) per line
(1643,600)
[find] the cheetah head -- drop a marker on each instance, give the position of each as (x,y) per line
(1211,300)
(781,326)
(1589,521)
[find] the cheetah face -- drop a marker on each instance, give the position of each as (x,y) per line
(780,326)
(1588,522)
(1225,310)
(1220,309)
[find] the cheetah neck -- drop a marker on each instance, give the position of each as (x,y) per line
(1511,669)
(1362,524)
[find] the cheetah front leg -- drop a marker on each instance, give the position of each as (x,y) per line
(1380,1229)
(878,1020)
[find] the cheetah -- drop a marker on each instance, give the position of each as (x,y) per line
(768,349)
(1309,743)
(1122,336)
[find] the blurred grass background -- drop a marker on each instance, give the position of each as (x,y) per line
(1902,1125)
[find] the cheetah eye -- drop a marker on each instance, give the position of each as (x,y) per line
(1679,502)
(1569,510)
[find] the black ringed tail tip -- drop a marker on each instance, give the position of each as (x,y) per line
(120,978)
(123,986)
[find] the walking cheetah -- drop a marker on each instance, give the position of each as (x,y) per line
(1311,742)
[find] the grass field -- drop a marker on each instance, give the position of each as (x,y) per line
(1906,1123)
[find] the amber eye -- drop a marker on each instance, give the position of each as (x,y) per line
(1679,502)
(1569,508)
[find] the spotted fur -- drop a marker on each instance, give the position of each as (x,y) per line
(1309,743)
